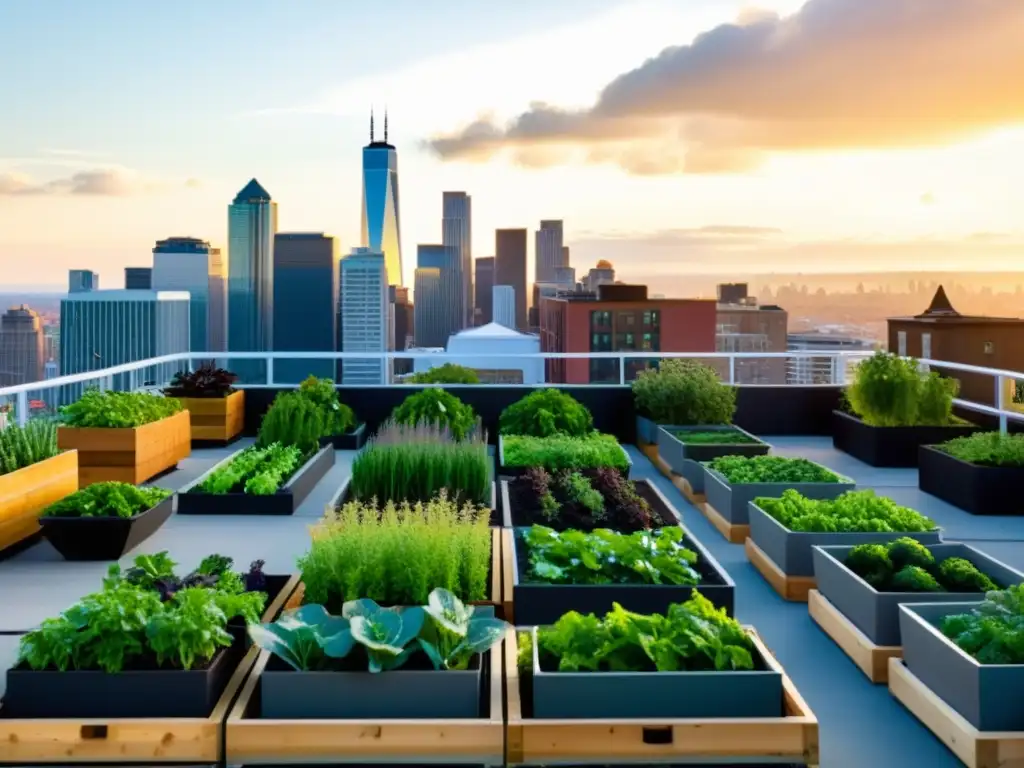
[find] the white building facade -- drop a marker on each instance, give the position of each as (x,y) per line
(367,317)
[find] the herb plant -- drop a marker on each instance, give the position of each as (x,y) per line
(437,406)
(109,499)
(292,420)
(206,381)
(713,437)
(255,471)
(993,633)
(892,391)
(22,447)
(607,557)
(336,417)
(683,392)
(564,452)
(852,512)
(449,373)
(692,636)
(771,469)
(546,412)
(112,409)
(987,449)
(906,565)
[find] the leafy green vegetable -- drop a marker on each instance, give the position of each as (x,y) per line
(437,406)
(913,578)
(593,498)
(684,392)
(960,575)
(987,449)
(907,565)
(109,499)
(771,469)
(110,409)
(993,633)
(24,446)
(853,511)
(546,412)
(713,437)
(255,471)
(564,452)
(907,551)
(607,557)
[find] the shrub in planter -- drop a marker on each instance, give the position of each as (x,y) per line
(682,392)
(293,419)
(892,391)
(415,463)
(906,565)
(205,382)
(558,451)
(22,447)
(449,373)
(546,412)
(437,406)
(986,449)
(112,409)
(337,418)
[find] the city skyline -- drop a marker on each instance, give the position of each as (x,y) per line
(935,192)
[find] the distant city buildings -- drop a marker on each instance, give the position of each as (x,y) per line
(83,280)
(138,278)
(190,264)
(430,327)
(479,349)
(743,325)
(367,316)
(602,274)
(441,309)
(457,234)
(482,284)
(380,224)
(504,303)
(548,251)
(22,354)
(405,324)
(510,267)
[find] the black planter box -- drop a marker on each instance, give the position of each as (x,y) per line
(539,603)
(633,695)
(974,488)
(128,694)
(350,441)
(877,614)
(889,446)
(237,626)
(284,502)
(402,694)
(732,500)
(986,695)
(644,489)
(507,471)
(685,458)
(791,551)
(103,538)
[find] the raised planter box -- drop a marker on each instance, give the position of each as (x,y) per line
(889,446)
(646,431)
(507,471)
(216,419)
(685,459)
(791,734)
(350,441)
(988,696)
(971,487)
(129,455)
(287,499)
(26,492)
(104,538)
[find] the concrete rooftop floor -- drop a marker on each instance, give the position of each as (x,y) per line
(861,724)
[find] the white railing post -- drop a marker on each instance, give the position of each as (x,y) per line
(22,409)
(270,371)
(1001,402)
(732,369)
(622,370)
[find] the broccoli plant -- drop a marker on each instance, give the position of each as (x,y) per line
(871,562)
(915,579)
(906,551)
(961,576)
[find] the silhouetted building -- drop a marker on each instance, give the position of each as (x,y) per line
(602,274)
(483,284)
(21,346)
(404,326)
(510,267)
(732,293)
(457,234)
(745,326)
(548,251)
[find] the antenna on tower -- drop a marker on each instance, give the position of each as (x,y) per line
(385,124)
(371,125)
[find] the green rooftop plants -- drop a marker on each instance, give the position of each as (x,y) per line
(110,409)
(713,437)
(987,449)
(449,373)
(22,447)
(564,452)
(852,512)
(415,463)
(771,469)
(109,499)
(437,406)
(293,419)
(398,553)
(683,392)
(256,471)
(546,412)
(906,565)
(993,633)
(336,417)
(606,557)
(692,636)
(892,391)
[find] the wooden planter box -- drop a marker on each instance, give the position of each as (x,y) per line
(28,491)
(130,454)
(216,419)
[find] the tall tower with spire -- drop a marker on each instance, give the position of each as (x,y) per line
(381,231)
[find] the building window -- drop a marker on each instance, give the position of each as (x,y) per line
(600,319)
(901,343)
(926,346)
(990,348)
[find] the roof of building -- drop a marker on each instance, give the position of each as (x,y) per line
(941,311)
(940,306)
(491,331)
(124,294)
(252,192)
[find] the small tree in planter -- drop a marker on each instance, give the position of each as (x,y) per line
(437,406)
(217,409)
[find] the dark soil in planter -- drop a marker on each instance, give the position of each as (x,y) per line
(103,538)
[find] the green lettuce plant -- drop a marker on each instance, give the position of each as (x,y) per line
(546,412)
(110,409)
(108,499)
(255,471)
(771,469)
(683,392)
(564,452)
(852,512)
(993,633)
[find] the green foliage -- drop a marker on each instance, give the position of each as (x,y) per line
(987,449)
(292,419)
(713,437)
(366,635)
(449,373)
(906,551)
(960,575)
(564,452)
(110,499)
(993,633)
(546,412)
(397,555)
(586,501)
(771,469)
(255,471)
(683,392)
(852,512)
(606,557)
(871,562)
(22,447)
(117,409)
(907,565)
(913,578)
(691,636)
(891,391)
(415,463)
(337,418)
(437,406)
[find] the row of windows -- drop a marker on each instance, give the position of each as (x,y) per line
(624,342)
(602,318)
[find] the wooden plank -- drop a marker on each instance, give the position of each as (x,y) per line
(733,532)
(508,564)
(871,659)
(792,588)
(532,741)
(26,492)
(976,749)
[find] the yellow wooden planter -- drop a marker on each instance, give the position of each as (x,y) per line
(216,418)
(28,491)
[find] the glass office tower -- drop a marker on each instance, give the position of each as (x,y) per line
(190,264)
(381,231)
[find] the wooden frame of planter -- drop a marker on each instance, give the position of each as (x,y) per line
(889,446)
(137,739)
(349,441)
(784,557)
(865,622)
(538,603)
(727,504)
(285,502)
(130,454)
(517,471)
(216,420)
(974,488)
(684,459)
(104,538)
(541,741)
(26,492)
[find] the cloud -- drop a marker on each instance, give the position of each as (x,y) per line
(838,74)
(108,182)
(927,198)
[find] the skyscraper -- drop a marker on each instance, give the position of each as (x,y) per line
(21,346)
(252,224)
(445,311)
(82,280)
(504,305)
(429,327)
(483,283)
(510,267)
(305,303)
(548,251)
(138,278)
(190,264)
(457,233)
(381,231)
(367,316)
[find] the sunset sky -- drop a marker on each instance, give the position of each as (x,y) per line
(670,135)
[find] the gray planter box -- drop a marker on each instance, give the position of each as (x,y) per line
(631,695)
(791,550)
(646,431)
(877,614)
(731,501)
(988,696)
(685,459)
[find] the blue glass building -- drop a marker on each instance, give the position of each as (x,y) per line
(82,280)
(457,233)
(444,308)
(190,264)
(381,231)
(138,278)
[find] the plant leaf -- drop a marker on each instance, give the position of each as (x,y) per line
(277,640)
(361,607)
